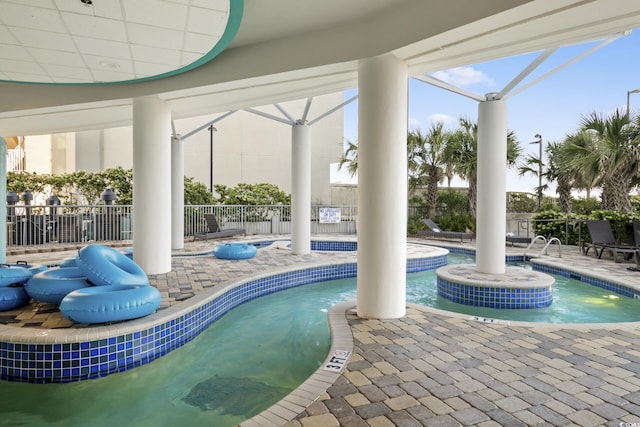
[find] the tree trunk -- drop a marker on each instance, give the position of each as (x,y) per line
(432,194)
(564,193)
(472,195)
(615,193)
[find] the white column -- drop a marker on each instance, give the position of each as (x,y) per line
(382,187)
(3,200)
(152,184)
(177,193)
(492,186)
(301,189)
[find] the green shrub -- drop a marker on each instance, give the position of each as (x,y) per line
(460,222)
(92,184)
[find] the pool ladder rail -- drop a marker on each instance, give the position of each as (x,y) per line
(544,250)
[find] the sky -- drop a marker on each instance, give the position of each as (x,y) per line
(552,108)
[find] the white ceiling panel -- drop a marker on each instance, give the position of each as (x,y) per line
(100,63)
(146,69)
(73,73)
(199,43)
(31,17)
(44,39)
(207,21)
(172,33)
(95,27)
(46,4)
(22,66)
(45,56)
(27,76)
(106,75)
(154,36)
(14,52)
(156,55)
(6,37)
(161,14)
(109,49)
(222,5)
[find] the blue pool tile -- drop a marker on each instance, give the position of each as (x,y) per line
(70,362)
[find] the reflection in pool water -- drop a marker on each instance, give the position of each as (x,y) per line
(254,356)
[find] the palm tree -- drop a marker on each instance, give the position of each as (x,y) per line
(426,162)
(532,165)
(613,158)
(558,170)
(350,158)
(462,152)
(573,147)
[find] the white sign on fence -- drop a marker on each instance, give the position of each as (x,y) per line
(330,215)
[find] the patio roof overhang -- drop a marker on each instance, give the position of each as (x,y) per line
(284,50)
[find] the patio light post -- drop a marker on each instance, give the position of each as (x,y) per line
(539,141)
(629,92)
(211,129)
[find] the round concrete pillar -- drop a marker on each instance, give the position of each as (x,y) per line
(177,193)
(301,189)
(152,184)
(492,186)
(382,187)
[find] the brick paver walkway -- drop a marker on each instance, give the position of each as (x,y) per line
(438,369)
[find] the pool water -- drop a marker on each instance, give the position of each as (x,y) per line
(245,362)
(254,356)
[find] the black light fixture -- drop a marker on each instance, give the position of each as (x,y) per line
(108,196)
(26,197)
(53,200)
(12,197)
(87,2)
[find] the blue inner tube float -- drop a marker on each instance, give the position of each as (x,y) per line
(14,274)
(235,251)
(103,266)
(53,285)
(13,296)
(69,262)
(110,303)
(128,252)
(33,268)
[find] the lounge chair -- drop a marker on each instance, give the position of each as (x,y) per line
(636,236)
(215,231)
(602,239)
(511,238)
(436,231)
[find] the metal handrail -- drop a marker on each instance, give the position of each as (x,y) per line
(551,240)
(535,239)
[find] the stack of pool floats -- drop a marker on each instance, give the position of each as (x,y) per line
(99,285)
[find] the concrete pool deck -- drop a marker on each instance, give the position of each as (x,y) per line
(433,368)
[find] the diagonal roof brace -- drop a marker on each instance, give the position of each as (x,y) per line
(211,123)
(506,93)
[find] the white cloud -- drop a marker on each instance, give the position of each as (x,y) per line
(464,77)
(444,118)
(413,123)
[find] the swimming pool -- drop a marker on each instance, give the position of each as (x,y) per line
(245,362)
(218,378)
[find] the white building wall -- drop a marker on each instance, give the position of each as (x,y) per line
(38,151)
(247,148)
(88,150)
(117,148)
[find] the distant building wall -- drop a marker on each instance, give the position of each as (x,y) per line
(247,148)
(38,153)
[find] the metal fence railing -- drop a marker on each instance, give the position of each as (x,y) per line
(270,219)
(38,225)
(33,225)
